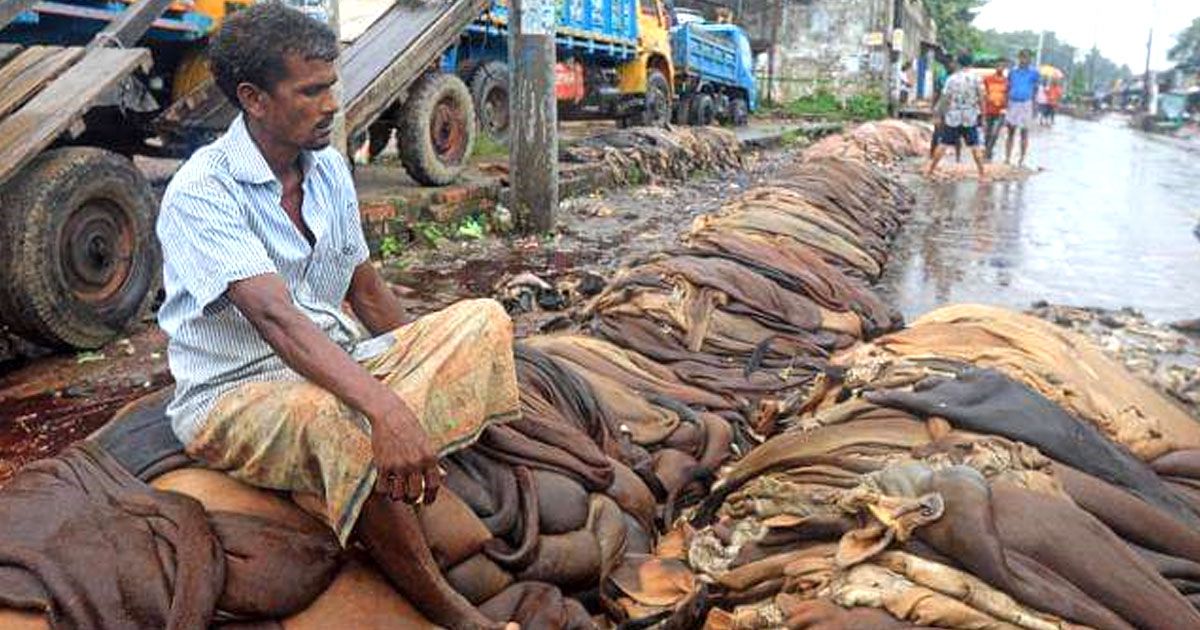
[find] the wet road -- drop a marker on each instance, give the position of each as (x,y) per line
(1109,222)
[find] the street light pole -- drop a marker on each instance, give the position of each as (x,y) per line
(533,115)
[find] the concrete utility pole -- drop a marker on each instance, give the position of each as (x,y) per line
(340,138)
(1148,80)
(533,114)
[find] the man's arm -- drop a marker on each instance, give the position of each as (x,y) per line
(373,300)
(403,456)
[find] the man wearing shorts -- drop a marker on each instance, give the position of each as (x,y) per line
(960,108)
(1022,87)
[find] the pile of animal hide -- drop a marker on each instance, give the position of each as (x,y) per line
(761,292)
(740,434)
(1168,356)
(653,154)
(881,142)
(978,469)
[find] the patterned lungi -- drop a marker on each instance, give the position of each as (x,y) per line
(454,369)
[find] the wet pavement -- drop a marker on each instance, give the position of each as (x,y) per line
(1106,221)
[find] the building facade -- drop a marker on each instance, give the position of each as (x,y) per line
(844,46)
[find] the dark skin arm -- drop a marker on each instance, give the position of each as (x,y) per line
(402,452)
(373,301)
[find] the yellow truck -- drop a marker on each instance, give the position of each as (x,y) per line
(614,61)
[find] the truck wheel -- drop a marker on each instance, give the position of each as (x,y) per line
(82,262)
(739,112)
(703,110)
(656,111)
(683,109)
(489,89)
(438,129)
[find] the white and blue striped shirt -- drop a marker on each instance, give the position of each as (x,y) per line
(222,221)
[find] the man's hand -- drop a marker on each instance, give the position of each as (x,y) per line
(405,459)
(406,462)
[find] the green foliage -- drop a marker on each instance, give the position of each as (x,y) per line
(487,147)
(867,106)
(1101,72)
(792,137)
(471,228)
(390,247)
(825,104)
(1186,51)
(822,102)
(430,233)
(1093,72)
(953,18)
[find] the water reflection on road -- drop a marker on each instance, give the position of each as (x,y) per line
(1108,223)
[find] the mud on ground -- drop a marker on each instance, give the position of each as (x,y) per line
(1165,355)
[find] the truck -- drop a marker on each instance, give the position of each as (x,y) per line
(714,72)
(89,84)
(637,61)
(613,61)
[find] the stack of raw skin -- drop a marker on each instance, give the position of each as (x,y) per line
(739,434)
(878,141)
(652,154)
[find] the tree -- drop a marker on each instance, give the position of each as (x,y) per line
(1054,52)
(953,19)
(1186,51)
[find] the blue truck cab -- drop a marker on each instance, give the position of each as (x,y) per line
(714,72)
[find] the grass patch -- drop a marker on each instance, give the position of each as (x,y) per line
(488,147)
(823,103)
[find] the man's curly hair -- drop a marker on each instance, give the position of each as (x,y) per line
(253,43)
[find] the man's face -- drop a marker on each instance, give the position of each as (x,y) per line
(1001,67)
(299,110)
(1023,58)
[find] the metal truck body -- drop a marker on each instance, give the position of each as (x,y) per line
(614,61)
(714,73)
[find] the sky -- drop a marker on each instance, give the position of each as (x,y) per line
(1118,28)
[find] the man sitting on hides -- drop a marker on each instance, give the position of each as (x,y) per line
(276,384)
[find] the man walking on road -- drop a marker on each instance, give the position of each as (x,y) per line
(960,108)
(995,88)
(275,384)
(1022,88)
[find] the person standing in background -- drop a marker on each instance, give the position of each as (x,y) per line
(1054,97)
(942,70)
(995,88)
(960,108)
(1018,116)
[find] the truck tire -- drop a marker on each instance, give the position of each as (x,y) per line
(489,90)
(437,131)
(703,110)
(683,109)
(81,262)
(656,110)
(739,112)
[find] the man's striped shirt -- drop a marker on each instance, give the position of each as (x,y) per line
(222,221)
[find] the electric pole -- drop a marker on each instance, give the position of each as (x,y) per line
(533,115)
